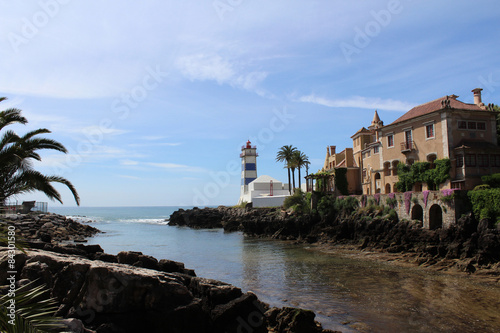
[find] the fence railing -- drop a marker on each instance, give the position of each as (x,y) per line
(14,207)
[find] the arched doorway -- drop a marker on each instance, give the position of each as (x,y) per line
(394,188)
(378,184)
(435,217)
(417,213)
(387,188)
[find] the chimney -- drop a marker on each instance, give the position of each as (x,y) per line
(477,96)
(332,150)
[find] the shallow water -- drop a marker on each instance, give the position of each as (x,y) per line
(347,294)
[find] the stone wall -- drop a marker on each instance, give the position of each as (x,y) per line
(432,208)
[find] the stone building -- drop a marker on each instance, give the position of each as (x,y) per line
(344,159)
(442,128)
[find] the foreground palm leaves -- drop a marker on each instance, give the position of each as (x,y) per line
(34,313)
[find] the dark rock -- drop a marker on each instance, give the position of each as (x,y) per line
(137,259)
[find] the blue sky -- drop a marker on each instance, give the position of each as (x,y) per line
(154,99)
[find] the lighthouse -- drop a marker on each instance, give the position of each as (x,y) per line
(248,167)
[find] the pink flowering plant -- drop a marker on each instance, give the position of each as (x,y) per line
(448,194)
(391,200)
(407,197)
(426,195)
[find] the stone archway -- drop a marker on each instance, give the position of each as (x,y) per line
(417,213)
(378,181)
(435,217)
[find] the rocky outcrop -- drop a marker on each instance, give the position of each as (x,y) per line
(468,244)
(48,228)
(125,296)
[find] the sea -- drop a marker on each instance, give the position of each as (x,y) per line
(350,294)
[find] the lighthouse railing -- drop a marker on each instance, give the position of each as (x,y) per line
(249,153)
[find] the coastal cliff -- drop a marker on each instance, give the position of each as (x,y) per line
(469,245)
(133,292)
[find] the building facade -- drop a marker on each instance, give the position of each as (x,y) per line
(443,128)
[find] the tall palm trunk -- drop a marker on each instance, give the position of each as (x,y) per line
(289,182)
(299,180)
(293,179)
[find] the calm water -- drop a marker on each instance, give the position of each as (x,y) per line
(351,295)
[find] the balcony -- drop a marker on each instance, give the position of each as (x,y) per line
(407,146)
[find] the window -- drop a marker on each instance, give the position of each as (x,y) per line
(390,140)
(375,150)
(482,160)
(481,126)
(460,160)
(364,173)
(471,125)
(495,160)
(462,124)
(429,131)
(470,160)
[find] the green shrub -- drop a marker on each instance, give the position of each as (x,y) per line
(482,187)
(420,172)
(485,203)
(326,205)
(297,202)
(492,180)
(393,215)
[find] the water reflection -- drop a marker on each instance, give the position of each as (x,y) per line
(365,295)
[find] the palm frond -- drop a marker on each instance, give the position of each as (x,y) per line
(34,313)
(11,116)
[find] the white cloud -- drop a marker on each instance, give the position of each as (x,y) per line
(358,102)
(201,67)
(160,144)
(177,167)
(212,67)
(128,162)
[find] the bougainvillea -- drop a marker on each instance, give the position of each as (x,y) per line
(377,198)
(391,200)
(407,196)
(448,194)
(426,195)
(363,200)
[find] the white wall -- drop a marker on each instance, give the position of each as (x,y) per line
(274,201)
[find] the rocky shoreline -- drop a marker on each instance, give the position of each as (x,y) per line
(133,292)
(470,246)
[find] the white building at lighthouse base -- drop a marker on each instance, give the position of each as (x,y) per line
(265,191)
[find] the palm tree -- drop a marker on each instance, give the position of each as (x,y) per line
(299,160)
(17,175)
(285,154)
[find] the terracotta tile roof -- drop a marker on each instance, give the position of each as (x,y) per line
(436,105)
(360,131)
